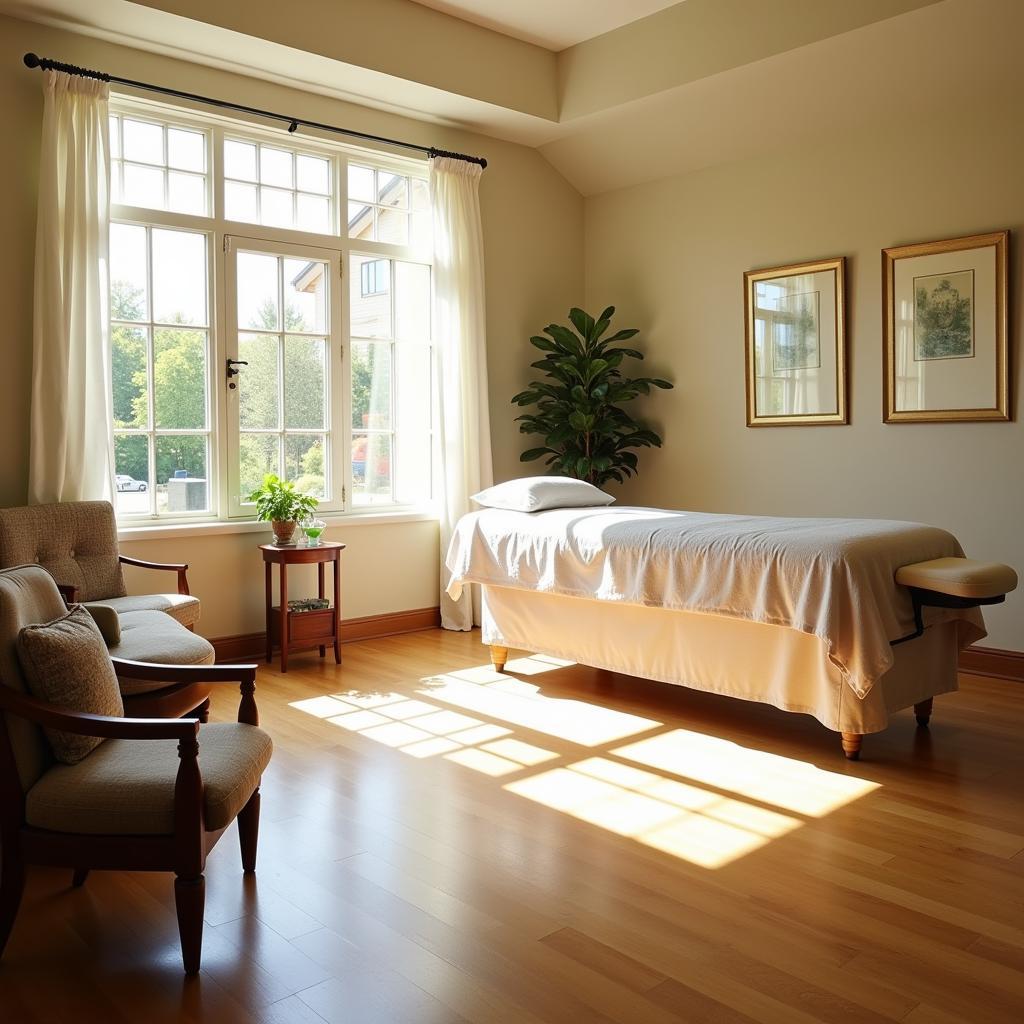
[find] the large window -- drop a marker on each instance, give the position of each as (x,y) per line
(298,344)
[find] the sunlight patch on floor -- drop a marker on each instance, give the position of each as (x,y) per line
(751,774)
(685,821)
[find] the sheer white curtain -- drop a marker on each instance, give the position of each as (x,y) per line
(461,343)
(71,455)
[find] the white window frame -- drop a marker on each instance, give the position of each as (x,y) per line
(224,506)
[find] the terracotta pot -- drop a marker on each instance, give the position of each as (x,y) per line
(283,530)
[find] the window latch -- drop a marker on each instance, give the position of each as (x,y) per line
(232,372)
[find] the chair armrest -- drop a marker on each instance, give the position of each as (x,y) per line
(185,675)
(69,592)
(181,568)
(50,716)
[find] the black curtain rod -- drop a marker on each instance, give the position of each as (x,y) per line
(44,63)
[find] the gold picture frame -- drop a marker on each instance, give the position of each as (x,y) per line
(945,321)
(795,344)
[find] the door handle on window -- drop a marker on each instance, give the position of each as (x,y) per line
(232,372)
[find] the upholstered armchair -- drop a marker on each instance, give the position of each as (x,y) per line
(76,542)
(155,795)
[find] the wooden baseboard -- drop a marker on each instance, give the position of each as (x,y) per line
(991,661)
(251,646)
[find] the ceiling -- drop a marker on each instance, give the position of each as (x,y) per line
(553,24)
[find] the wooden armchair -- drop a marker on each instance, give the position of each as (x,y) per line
(144,800)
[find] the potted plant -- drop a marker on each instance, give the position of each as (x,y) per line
(587,434)
(280,504)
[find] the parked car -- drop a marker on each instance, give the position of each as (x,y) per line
(123,482)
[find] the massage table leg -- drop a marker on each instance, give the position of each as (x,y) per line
(923,711)
(499,656)
(851,745)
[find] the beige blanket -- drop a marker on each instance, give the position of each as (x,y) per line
(833,578)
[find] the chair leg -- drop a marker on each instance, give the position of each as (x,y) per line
(79,877)
(923,711)
(12,885)
(190,901)
(851,745)
(499,656)
(249,831)
(203,711)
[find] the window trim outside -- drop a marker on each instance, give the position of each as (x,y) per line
(219,231)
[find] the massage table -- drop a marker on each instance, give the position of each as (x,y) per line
(847,620)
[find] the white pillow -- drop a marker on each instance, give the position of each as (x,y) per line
(537,493)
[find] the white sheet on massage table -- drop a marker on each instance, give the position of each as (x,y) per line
(831,578)
(768,664)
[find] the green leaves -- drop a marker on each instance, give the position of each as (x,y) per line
(577,406)
(279,500)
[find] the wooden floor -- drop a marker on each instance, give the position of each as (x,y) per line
(440,844)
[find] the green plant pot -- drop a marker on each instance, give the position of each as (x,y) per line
(284,529)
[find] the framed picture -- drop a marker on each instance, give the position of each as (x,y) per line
(945,330)
(796,344)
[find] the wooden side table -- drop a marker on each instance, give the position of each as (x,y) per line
(295,631)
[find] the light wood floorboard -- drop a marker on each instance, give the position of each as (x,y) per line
(440,843)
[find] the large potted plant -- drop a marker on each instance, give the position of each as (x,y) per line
(279,503)
(587,434)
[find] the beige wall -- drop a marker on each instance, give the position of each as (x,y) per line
(672,254)
(533,231)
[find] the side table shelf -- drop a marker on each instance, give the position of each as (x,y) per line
(295,630)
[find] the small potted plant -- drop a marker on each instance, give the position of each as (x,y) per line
(280,504)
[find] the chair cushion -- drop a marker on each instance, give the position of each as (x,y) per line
(126,787)
(76,541)
(959,577)
(106,618)
(156,637)
(66,663)
(182,607)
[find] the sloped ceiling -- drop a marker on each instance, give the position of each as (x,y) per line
(693,84)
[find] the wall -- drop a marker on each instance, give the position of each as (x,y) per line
(533,232)
(671,256)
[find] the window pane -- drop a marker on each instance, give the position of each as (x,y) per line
(258,455)
(186,193)
(257,291)
(179,379)
(258,384)
(370,313)
(181,481)
(412,301)
(392,226)
(413,412)
(115,181)
(179,277)
(313,213)
(313,174)
(239,160)
(115,137)
(131,466)
(421,228)
(128,300)
(143,141)
(392,189)
(305,295)
(186,150)
(371,469)
(360,221)
(276,167)
(304,462)
(420,194)
(239,201)
(371,386)
(143,186)
(128,372)
(360,183)
(276,207)
(305,374)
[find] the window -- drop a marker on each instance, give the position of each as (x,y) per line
(326,325)
(373,277)
(387,207)
(160,343)
(158,166)
(280,187)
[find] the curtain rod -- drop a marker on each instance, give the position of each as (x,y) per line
(45,64)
